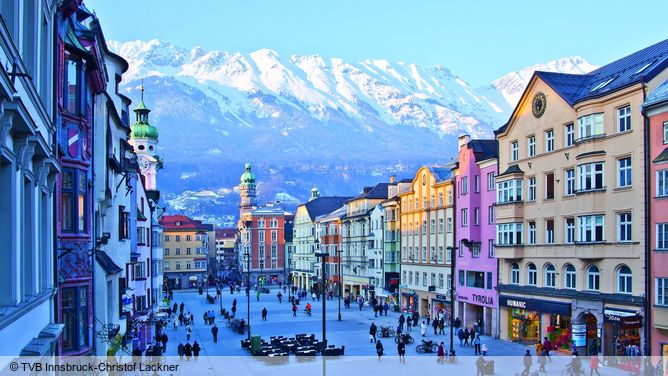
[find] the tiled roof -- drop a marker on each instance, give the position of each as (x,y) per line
(660,94)
(512,169)
(484,149)
(378,191)
(663,157)
(640,66)
(186,224)
(226,233)
(324,205)
(338,213)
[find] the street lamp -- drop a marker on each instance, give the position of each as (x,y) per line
(323,256)
(340,280)
(453,261)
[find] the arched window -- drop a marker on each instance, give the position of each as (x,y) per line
(593,278)
(514,274)
(532,275)
(569,277)
(550,275)
(624,280)
(424,179)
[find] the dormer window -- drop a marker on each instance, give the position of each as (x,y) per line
(602,84)
(178,223)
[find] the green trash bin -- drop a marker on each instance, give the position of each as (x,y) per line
(256,345)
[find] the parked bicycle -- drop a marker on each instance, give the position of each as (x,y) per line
(386,331)
(406,337)
(427,346)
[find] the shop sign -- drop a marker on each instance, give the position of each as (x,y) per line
(516,303)
(579,334)
(441,297)
(536,305)
(616,316)
(431,288)
(482,299)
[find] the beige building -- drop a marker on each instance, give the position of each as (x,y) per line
(426,233)
(185,251)
(571,209)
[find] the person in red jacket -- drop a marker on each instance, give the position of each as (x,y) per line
(547,346)
(294,310)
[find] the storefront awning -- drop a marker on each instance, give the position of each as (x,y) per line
(536,305)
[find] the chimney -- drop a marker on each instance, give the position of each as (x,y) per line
(393,179)
(463,140)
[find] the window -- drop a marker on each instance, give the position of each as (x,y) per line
(532,232)
(260,235)
(662,236)
(569,277)
(662,183)
(492,250)
(514,274)
(166,238)
(74,190)
(661,292)
(166,251)
(189,237)
(549,186)
(531,146)
(475,249)
(624,119)
(75,317)
(424,279)
(490,180)
(590,126)
(570,182)
(509,234)
(178,265)
(72,77)
(531,189)
(465,185)
(476,216)
(410,278)
(433,226)
(177,251)
(178,238)
(570,231)
(549,231)
(549,140)
(476,183)
(475,279)
(189,251)
(593,278)
(509,191)
(440,280)
(570,135)
(465,217)
(440,225)
(124,224)
(591,228)
(665,132)
(514,151)
(624,176)
(448,225)
(491,214)
(591,176)
(550,275)
(624,280)
(417,278)
(440,198)
(424,227)
(531,275)
(624,227)
(440,253)
(462,277)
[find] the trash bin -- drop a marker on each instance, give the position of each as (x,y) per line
(256,344)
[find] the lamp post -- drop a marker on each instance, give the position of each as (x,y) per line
(323,256)
(340,280)
(452,291)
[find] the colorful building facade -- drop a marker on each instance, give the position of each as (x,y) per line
(476,271)
(185,249)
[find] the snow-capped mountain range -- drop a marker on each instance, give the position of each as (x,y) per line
(218,109)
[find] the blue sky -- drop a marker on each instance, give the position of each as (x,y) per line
(478,40)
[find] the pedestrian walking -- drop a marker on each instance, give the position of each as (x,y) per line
(402,319)
(466,338)
(196,349)
(294,310)
(214,332)
(280,297)
(372,332)
(176,323)
(527,363)
(416,318)
(360,301)
(180,350)
(175,308)
(460,335)
(547,346)
(385,307)
(476,345)
(313,297)
(441,352)
(188,350)
(188,332)
(375,311)
(457,324)
(434,324)
(428,317)
(264,314)
(441,326)
(472,336)
(163,340)
(181,318)
(379,349)
(423,328)
(593,364)
(182,307)
(257,295)
(401,350)
(409,323)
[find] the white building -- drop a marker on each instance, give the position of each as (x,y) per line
(376,251)
(28,167)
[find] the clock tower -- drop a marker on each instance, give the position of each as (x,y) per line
(145,140)
(247,192)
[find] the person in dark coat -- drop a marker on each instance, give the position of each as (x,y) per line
(457,324)
(401,350)
(181,307)
(460,335)
(372,332)
(435,325)
(196,349)
(385,307)
(181,350)
(416,318)
(379,349)
(164,339)
(214,332)
(188,350)
(467,334)
(264,314)
(176,307)
(181,318)
(402,319)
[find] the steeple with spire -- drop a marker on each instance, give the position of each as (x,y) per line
(144,139)
(247,192)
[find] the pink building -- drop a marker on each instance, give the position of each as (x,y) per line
(476,267)
(656,109)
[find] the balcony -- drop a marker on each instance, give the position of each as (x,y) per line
(510,251)
(510,210)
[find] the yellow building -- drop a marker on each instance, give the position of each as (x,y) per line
(426,233)
(571,208)
(185,251)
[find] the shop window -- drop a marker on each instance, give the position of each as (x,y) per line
(624,280)
(514,274)
(550,275)
(532,275)
(569,277)
(593,278)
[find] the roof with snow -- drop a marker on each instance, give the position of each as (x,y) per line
(659,95)
(336,214)
(640,66)
(324,205)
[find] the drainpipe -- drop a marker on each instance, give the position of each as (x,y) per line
(93,222)
(648,208)
(54,141)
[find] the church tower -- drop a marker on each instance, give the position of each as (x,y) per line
(247,192)
(144,139)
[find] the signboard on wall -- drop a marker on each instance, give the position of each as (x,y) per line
(579,334)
